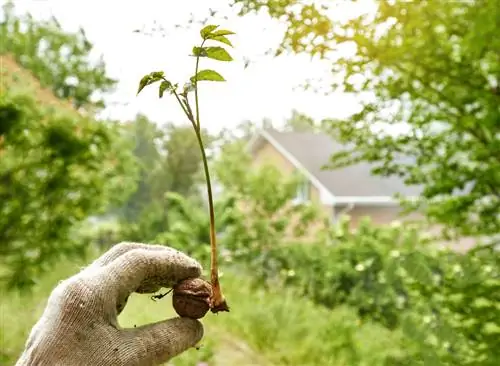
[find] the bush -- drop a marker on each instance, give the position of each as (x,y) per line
(57,168)
(445,304)
(291,330)
(264,327)
(456,318)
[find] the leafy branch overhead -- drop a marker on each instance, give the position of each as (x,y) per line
(218,53)
(434,71)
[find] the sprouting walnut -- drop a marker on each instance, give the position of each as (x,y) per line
(191,298)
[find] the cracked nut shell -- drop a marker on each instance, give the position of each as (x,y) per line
(191,298)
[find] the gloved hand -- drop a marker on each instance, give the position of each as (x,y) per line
(79,325)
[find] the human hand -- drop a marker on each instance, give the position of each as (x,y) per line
(79,325)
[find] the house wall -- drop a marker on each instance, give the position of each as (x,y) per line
(267,154)
(379,215)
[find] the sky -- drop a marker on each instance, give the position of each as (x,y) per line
(268,88)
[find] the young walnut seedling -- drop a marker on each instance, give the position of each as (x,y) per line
(194,297)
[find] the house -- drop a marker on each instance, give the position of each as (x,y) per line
(352,191)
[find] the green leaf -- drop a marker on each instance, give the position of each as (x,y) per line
(149,79)
(157,75)
(491,328)
(218,53)
(209,75)
(417,268)
(143,83)
(412,329)
(200,51)
(164,86)
(222,32)
(205,31)
(221,39)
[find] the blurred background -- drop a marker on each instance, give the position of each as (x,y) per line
(354,150)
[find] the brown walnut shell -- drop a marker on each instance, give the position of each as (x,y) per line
(191,298)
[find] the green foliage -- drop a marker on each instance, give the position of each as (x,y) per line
(169,162)
(57,168)
(208,33)
(58,59)
(431,67)
(181,159)
(209,75)
(442,89)
(456,318)
(145,137)
(358,269)
(269,328)
(291,330)
(299,122)
(20,310)
(189,229)
(444,304)
(263,216)
(151,78)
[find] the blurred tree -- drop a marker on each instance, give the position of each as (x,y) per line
(60,60)
(169,161)
(245,130)
(57,167)
(182,159)
(300,122)
(427,68)
(146,138)
(430,71)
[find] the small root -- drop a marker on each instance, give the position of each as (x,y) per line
(161,296)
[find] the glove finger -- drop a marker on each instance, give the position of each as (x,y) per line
(122,248)
(139,270)
(155,344)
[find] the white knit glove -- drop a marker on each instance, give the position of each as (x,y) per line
(79,325)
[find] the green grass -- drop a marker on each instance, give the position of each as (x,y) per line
(263,328)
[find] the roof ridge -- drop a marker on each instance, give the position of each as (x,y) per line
(312,151)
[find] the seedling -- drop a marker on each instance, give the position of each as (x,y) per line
(189,291)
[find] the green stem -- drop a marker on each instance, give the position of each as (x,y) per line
(218,301)
(214,273)
(186,111)
(196,87)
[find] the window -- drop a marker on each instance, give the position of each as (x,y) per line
(303,192)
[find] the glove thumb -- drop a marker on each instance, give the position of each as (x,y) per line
(157,343)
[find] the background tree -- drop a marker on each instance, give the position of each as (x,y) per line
(66,167)
(182,160)
(169,162)
(58,59)
(299,122)
(431,67)
(57,168)
(146,138)
(246,130)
